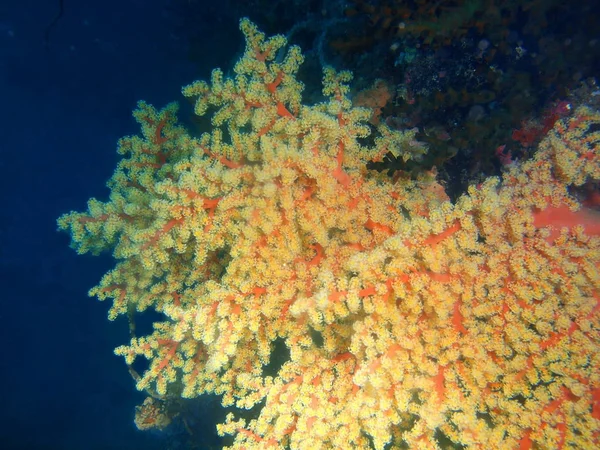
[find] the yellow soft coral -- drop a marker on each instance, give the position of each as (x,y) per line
(409,320)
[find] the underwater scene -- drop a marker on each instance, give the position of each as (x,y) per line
(311,224)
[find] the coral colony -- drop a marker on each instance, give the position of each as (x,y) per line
(408,320)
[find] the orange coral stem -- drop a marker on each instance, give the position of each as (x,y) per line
(283,111)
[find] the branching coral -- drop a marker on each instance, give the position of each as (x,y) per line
(409,320)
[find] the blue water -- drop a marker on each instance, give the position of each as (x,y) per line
(63,108)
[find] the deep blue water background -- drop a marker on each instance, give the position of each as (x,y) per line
(63,109)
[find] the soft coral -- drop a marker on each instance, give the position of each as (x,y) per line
(558,217)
